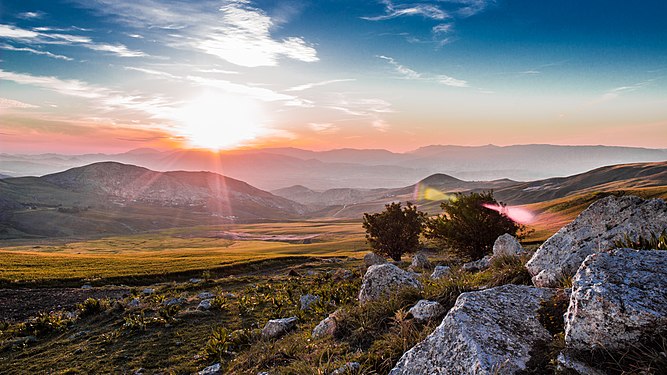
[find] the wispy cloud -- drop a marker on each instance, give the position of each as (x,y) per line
(323,127)
(398,10)
(11,103)
(31,15)
(34,51)
(616,92)
(408,73)
(39,36)
(235,32)
(308,86)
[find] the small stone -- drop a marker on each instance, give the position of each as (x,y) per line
(425,310)
(478,265)
(347,369)
(440,272)
(204,304)
(328,326)
(507,245)
(148,291)
(372,259)
(344,274)
(420,262)
(277,327)
(307,300)
(214,369)
(86,287)
(293,273)
(205,295)
(134,303)
(196,281)
(174,301)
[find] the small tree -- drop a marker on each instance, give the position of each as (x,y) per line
(395,230)
(468,227)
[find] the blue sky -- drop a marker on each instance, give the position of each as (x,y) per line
(85,75)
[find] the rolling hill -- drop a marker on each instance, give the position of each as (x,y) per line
(117,198)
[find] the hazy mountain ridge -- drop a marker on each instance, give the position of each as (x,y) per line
(276,168)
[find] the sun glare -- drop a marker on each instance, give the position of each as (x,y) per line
(216,121)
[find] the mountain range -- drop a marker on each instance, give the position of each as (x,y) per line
(113,198)
(277,168)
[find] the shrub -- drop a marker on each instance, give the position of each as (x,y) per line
(394,231)
(468,227)
(92,306)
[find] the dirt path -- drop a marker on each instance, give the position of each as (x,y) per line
(20,304)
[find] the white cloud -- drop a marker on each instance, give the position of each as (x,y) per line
(401,69)
(442,28)
(398,10)
(308,86)
(323,127)
(31,15)
(34,51)
(66,87)
(235,32)
(42,35)
(451,81)
(10,103)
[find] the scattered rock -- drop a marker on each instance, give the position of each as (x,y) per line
(328,326)
(205,304)
(594,230)
(566,362)
(205,295)
(343,274)
(307,300)
(507,245)
(196,281)
(381,280)
(440,272)
(425,310)
(486,332)
(214,369)
(478,265)
(174,301)
(372,259)
(348,368)
(277,327)
(134,303)
(618,299)
(86,286)
(420,262)
(148,291)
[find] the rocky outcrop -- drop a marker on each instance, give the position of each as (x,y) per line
(426,310)
(277,327)
(420,262)
(440,272)
(595,230)
(486,332)
(382,280)
(618,298)
(372,259)
(507,245)
(478,265)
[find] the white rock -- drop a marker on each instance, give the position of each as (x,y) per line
(277,327)
(328,326)
(205,304)
(174,301)
(372,259)
(425,310)
(566,362)
(507,245)
(348,368)
(214,369)
(381,280)
(595,230)
(205,295)
(307,300)
(440,272)
(86,286)
(478,265)
(420,262)
(196,281)
(148,291)
(486,332)
(618,298)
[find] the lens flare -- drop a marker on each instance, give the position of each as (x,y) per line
(517,214)
(427,193)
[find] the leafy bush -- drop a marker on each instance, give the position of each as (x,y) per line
(45,323)
(92,306)
(654,242)
(394,231)
(468,227)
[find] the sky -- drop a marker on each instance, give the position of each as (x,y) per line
(80,76)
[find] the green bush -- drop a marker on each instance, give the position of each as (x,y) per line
(92,306)
(394,231)
(468,227)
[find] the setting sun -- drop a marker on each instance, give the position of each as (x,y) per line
(216,121)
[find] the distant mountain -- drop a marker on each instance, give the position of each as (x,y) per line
(331,197)
(276,168)
(70,202)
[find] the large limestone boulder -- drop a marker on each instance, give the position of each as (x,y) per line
(372,259)
(486,332)
(381,280)
(277,327)
(618,298)
(595,230)
(507,245)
